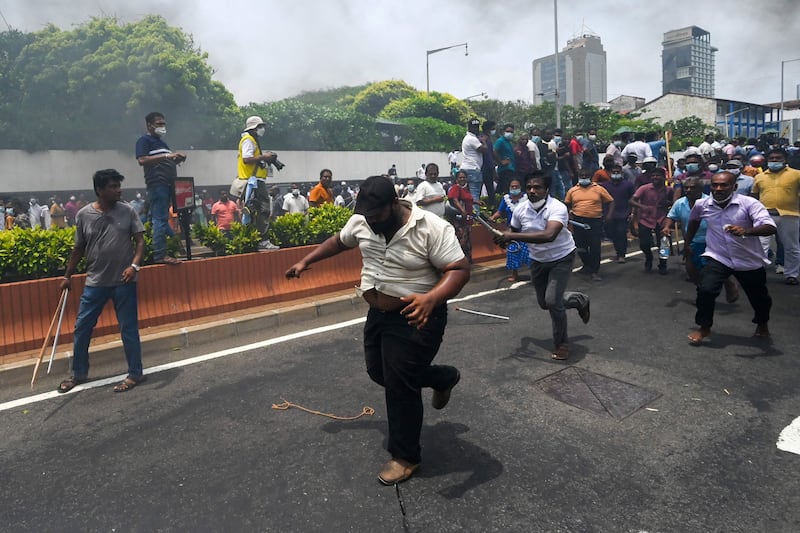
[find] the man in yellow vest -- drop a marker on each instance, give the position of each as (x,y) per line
(250,186)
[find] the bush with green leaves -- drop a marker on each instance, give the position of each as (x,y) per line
(34,253)
(173,244)
(325,220)
(211,237)
(297,229)
(289,230)
(244,239)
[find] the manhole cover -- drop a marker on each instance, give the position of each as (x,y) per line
(596,393)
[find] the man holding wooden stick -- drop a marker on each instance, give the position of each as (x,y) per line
(110,235)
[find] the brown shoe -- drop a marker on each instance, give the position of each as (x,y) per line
(441,397)
(561,353)
(396,471)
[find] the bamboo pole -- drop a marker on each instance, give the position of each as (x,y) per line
(47,336)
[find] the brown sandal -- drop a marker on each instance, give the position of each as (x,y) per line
(128,383)
(561,353)
(69,384)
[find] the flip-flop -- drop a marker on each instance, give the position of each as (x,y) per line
(128,383)
(69,384)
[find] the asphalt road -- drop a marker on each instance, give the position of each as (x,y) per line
(199,448)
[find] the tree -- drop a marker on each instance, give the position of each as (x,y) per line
(687,129)
(90,87)
(376,96)
(295,125)
(430,135)
(442,106)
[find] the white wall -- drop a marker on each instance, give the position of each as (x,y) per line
(62,170)
(678,106)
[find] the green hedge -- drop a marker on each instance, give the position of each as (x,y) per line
(39,253)
(297,229)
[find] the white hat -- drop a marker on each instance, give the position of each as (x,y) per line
(650,159)
(252,123)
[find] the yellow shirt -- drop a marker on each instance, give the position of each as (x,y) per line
(588,201)
(245,171)
(779,190)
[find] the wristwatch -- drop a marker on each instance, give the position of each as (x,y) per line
(135,267)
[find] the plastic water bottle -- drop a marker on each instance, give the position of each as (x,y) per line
(663,249)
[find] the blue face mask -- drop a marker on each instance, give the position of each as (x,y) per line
(515,192)
(775,166)
(692,167)
(557,140)
(536,138)
(585,182)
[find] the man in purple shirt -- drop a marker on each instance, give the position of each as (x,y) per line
(731,220)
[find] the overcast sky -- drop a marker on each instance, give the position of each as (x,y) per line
(265,50)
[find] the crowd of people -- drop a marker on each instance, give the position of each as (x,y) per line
(558,200)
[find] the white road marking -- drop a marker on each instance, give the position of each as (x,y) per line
(216,355)
(789,439)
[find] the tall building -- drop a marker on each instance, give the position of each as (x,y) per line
(688,62)
(582,73)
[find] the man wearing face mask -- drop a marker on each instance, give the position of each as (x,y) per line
(488,167)
(472,150)
(412,265)
(590,156)
(614,149)
(542,222)
(778,188)
(732,222)
(160,169)
(621,190)
(225,212)
(744,183)
(506,161)
(695,167)
(652,202)
(254,166)
(586,201)
(294,202)
(679,214)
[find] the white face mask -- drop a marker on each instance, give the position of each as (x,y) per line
(160,131)
(260,131)
(734,171)
(296,192)
(724,200)
(509,135)
(538,203)
(592,137)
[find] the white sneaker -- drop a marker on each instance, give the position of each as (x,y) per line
(266,245)
(779,269)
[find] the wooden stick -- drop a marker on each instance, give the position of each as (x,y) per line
(58,330)
(667,135)
(47,337)
(470,311)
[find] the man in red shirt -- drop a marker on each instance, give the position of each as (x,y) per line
(225,212)
(652,201)
(322,192)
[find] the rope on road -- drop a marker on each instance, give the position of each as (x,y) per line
(366,411)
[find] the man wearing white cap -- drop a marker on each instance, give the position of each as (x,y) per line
(254,166)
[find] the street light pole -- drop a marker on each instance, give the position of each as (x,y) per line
(558,95)
(429,53)
(780,115)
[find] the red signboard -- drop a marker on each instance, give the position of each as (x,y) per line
(184,194)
